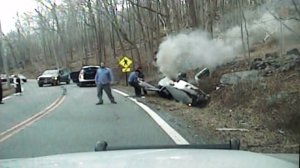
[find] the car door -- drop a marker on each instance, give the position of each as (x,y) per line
(63,75)
(75,76)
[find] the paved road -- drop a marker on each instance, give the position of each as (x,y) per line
(33,100)
(76,124)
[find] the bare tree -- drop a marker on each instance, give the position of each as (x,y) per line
(244,28)
(296,8)
(91,31)
(2,54)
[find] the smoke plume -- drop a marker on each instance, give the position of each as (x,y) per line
(190,50)
(265,29)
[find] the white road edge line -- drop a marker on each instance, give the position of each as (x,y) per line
(7,97)
(22,125)
(173,134)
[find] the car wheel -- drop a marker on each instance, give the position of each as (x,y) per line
(57,82)
(79,84)
(40,85)
(68,82)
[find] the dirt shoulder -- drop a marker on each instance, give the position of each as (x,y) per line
(8,91)
(264,115)
(255,133)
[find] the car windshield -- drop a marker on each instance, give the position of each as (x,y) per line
(148,73)
(51,72)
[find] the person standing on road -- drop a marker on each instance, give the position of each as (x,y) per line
(1,91)
(134,82)
(103,79)
(17,83)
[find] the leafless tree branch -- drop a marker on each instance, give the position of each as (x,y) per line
(147,8)
(296,7)
(286,26)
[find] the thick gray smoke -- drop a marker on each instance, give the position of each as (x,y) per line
(264,29)
(263,26)
(187,51)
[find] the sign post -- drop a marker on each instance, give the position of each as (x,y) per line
(126,78)
(125,62)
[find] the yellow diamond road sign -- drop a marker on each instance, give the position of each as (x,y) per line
(125,62)
(125,69)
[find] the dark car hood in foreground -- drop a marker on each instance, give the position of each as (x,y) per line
(165,158)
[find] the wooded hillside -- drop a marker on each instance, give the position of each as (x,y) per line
(59,33)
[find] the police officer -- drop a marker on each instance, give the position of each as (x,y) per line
(1,91)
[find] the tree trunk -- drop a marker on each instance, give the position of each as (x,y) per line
(191,7)
(242,27)
(60,34)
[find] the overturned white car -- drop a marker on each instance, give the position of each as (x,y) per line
(179,90)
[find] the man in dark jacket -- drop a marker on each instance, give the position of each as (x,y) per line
(17,83)
(1,91)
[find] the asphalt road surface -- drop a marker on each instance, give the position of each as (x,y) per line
(75,124)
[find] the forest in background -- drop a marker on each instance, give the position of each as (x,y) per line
(59,33)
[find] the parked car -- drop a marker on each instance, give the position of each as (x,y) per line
(54,77)
(3,78)
(87,75)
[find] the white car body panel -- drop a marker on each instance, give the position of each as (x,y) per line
(161,158)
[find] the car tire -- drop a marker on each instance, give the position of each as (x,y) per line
(79,84)
(57,82)
(40,85)
(68,82)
